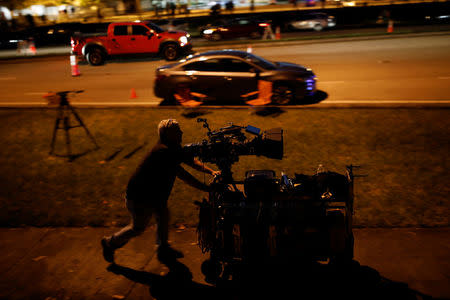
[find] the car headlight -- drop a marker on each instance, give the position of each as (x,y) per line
(183,40)
(208,31)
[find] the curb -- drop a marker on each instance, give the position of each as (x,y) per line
(313,106)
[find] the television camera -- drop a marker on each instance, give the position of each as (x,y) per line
(225,145)
(264,218)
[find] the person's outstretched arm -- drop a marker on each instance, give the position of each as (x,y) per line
(199,166)
(191,180)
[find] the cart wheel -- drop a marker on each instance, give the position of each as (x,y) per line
(211,269)
(345,258)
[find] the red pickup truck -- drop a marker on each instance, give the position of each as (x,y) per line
(124,38)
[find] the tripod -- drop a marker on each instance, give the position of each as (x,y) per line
(63,121)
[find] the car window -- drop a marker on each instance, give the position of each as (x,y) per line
(154,27)
(210,65)
(234,65)
(120,30)
(139,30)
(261,62)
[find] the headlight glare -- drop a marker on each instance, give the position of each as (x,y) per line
(183,40)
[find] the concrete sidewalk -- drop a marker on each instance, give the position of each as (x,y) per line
(67,263)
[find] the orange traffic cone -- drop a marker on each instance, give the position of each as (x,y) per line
(249,49)
(74,66)
(31,48)
(277,33)
(390,28)
(133,94)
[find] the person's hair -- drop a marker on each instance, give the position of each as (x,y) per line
(166,125)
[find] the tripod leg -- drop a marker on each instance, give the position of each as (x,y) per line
(66,129)
(84,126)
(55,130)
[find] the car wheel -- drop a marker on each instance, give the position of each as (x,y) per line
(318,27)
(170,52)
(95,57)
(216,36)
(282,95)
(345,258)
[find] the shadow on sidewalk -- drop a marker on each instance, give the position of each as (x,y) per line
(276,281)
(320,281)
(177,284)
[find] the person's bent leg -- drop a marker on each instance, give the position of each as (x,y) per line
(140,220)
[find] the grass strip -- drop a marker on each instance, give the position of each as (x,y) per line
(403,152)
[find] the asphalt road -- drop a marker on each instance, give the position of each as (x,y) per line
(411,69)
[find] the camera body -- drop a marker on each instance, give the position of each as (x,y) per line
(265,217)
(224,146)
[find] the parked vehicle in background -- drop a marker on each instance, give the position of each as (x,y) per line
(348,3)
(125,38)
(172,24)
(234,28)
(443,17)
(48,35)
(9,40)
(224,76)
(316,20)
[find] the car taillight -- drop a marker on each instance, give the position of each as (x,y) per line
(263,24)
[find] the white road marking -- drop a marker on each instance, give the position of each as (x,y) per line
(8,78)
(388,101)
(125,103)
(8,104)
(444,77)
(331,82)
(35,93)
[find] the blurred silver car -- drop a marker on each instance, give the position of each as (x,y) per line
(172,24)
(316,21)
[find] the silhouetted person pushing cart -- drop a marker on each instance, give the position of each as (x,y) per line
(149,188)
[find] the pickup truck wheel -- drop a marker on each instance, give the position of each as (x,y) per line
(95,57)
(170,52)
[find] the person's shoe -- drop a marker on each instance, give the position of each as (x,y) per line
(167,252)
(108,251)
